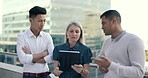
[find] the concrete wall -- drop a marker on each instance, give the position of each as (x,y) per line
(10,71)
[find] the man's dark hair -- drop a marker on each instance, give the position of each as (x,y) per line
(110,14)
(33,12)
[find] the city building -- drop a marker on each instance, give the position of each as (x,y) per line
(60,13)
(87,12)
(15,20)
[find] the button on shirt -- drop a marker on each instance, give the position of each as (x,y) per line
(35,45)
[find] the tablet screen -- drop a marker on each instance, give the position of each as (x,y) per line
(68,58)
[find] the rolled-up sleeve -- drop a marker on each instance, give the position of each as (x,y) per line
(55,54)
(87,56)
(23,57)
(50,46)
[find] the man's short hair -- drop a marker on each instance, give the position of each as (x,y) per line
(110,14)
(33,12)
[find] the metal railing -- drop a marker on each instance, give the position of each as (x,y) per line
(11,58)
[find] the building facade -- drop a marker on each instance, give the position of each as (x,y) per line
(60,13)
(87,12)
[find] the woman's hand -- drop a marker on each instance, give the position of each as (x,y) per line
(77,68)
(57,72)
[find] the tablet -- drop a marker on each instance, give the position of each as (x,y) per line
(68,58)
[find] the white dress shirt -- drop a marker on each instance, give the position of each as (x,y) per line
(35,45)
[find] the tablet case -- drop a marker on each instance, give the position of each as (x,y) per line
(68,58)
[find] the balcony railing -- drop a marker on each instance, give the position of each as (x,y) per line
(11,58)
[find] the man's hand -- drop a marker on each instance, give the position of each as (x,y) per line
(77,68)
(26,50)
(103,63)
(103,70)
(96,60)
(46,52)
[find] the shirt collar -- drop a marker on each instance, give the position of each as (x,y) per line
(30,34)
(119,36)
(73,48)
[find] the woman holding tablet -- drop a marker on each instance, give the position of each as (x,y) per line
(71,59)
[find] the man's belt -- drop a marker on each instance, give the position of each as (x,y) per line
(36,74)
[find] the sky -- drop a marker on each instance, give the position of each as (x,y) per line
(30,3)
(134,16)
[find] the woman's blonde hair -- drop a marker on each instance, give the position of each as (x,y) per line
(78,24)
